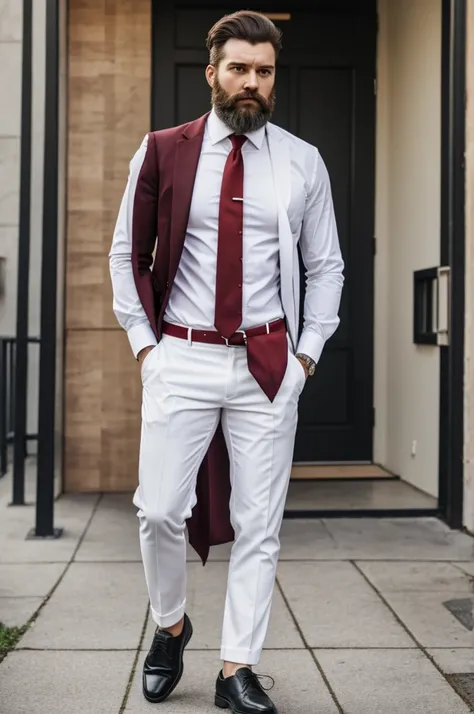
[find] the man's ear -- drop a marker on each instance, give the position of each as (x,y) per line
(210,74)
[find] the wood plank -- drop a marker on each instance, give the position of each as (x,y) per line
(109,114)
(102,428)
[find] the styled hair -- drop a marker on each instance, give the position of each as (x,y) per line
(253,27)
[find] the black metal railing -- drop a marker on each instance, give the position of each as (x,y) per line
(7,400)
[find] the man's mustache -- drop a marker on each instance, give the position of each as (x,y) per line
(232,101)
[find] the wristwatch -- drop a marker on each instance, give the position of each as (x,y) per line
(310,363)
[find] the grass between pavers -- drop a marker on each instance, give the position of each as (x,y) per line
(9,638)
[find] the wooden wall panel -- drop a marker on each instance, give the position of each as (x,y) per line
(109,110)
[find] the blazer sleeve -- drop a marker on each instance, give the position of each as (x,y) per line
(324,265)
(131,254)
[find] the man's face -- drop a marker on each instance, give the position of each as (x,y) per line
(243,85)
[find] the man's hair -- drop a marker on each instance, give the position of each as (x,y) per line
(245,25)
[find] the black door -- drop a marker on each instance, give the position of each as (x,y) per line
(325,95)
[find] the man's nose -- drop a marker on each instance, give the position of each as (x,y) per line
(252,81)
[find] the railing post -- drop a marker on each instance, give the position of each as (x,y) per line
(21,345)
(44,527)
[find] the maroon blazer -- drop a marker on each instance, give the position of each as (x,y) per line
(161,208)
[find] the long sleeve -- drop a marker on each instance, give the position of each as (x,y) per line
(140,195)
(324,265)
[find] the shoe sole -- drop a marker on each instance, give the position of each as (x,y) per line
(221,703)
(158,700)
(224,704)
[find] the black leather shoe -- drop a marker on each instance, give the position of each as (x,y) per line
(163,666)
(243,694)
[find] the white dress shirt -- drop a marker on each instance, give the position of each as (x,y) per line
(192,298)
(298,211)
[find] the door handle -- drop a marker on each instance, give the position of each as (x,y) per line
(431,318)
(443,300)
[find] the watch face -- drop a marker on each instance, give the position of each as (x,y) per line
(312,370)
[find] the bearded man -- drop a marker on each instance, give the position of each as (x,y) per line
(205,273)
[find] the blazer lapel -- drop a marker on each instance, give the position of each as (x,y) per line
(188,151)
(281,168)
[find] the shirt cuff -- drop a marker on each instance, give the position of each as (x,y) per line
(311,344)
(141,336)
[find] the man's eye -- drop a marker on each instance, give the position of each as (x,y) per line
(265,72)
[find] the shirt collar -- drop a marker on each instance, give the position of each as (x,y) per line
(218,131)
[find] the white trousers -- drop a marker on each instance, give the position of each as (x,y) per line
(187,388)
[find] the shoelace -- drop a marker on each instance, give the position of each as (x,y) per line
(259,677)
(160,644)
(266,676)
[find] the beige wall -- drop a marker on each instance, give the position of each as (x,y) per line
(469,334)
(408,233)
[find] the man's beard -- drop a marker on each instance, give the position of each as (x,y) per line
(242,118)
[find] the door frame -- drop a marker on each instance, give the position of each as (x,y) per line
(452,253)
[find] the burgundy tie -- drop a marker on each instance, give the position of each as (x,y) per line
(228,313)
(267,354)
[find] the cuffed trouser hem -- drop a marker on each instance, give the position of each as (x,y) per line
(171,619)
(240,656)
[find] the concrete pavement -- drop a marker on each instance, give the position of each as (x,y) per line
(369,616)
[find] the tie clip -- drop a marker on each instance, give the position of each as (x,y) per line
(237,199)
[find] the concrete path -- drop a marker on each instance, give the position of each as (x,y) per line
(369,616)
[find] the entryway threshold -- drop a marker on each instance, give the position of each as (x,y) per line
(357,498)
(329,472)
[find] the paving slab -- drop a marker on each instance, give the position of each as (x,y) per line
(96,606)
(466,568)
(336,607)
(205,607)
(415,576)
(29,579)
(388,682)
(72,512)
(400,539)
(92,682)
(299,688)
(16,611)
(429,620)
(113,533)
(308,540)
(454,661)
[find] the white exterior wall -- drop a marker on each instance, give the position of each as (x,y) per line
(10,126)
(408,235)
(11,30)
(469,331)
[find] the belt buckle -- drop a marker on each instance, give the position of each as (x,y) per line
(237,332)
(244,334)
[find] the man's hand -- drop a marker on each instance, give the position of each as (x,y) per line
(304,365)
(143,353)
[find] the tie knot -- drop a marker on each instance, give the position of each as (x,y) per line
(238,140)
